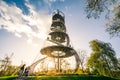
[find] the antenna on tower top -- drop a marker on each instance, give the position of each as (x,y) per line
(58,11)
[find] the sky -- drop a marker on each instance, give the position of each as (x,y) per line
(24,25)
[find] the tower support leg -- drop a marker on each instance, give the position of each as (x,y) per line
(58,63)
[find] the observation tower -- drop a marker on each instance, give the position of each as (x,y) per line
(58,45)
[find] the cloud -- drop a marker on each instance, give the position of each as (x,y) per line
(55,0)
(34,25)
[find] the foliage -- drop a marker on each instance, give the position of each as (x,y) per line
(116,74)
(113,25)
(10,71)
(79,71)
(102,60)
(94,8)
(119,62)
(6,69)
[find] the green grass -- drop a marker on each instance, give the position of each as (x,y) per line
(7,78)
(71,78)
(68,77)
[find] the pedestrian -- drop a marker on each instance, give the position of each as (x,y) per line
(20,73)
(27,71)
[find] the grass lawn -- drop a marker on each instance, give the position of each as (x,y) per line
(68,77)
(7,78)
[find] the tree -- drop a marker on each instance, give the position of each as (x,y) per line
(6,68)
(82,57)
(94,8)
(113,25)
(119,62)
(102,59)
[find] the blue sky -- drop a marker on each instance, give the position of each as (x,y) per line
(25,24)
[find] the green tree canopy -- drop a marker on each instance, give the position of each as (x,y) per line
(94,8)
(103,59)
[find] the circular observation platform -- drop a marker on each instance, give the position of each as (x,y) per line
(58,51)
(58,36)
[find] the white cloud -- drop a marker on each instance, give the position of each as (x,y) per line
(18,35)
(56,0)
(34,25)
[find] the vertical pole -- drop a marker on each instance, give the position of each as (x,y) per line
(58,63)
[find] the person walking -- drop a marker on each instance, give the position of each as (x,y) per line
(20,73)
(26,72)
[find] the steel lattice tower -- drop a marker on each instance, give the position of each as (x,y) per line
(60,46)
(58,36)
